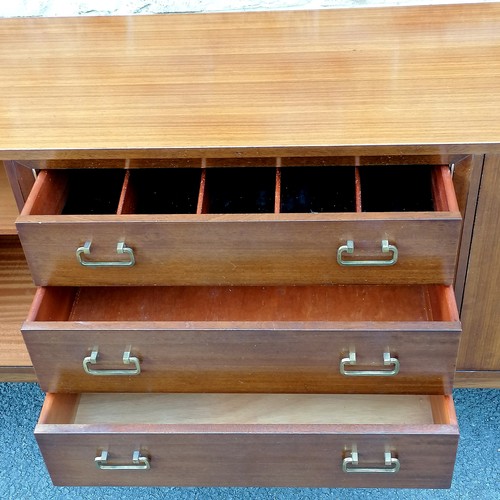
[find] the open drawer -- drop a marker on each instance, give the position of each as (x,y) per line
(249,440)
(355,338)
(282,221)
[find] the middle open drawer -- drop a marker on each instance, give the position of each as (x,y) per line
(356,338)
(245,226)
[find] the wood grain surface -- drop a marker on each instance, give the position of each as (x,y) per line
(16,294)
(238,409)
(477,379)
(230,454)
(257,304)
(480,344)
(419,78)
(8,207)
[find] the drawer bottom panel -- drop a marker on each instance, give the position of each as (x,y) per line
(249,440)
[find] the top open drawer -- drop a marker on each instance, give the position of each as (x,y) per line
(276,221)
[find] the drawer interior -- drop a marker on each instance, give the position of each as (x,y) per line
(209,409)
(92,191)
(246,303)
(160,191)
(317,189)
(396,189)
(238,190)
(264,185)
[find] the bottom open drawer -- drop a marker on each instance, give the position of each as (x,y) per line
(317,440)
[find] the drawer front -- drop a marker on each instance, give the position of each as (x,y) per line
(245,339)
(235,359)
(252,458)
(103,246)
(227,251)
(225,454)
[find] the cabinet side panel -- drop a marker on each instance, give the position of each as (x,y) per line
(480,343)
(21,181)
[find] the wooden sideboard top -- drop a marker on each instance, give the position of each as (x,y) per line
(413,79)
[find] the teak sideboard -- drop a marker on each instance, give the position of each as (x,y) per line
(264,246)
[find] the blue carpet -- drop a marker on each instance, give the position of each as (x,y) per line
(23,475)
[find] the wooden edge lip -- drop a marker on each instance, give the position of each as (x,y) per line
(472,379)
(17,374)
(108,327)
(270,429)
(450,408)
(182,151)
(35,305)
(46,408)
(351,217)
(450,303)
(270,161)
(444,190)
(38,186)
(450,192)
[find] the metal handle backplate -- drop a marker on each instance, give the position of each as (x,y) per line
(351,361)
(127,360)
(348,249)
(138,462)
(121,249)
(351,464)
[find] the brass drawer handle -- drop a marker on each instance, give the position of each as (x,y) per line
(127,360)
(351,361)
(348,248)
(138,462)
(121,249)
(351,464)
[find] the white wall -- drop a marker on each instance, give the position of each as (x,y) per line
(16,8)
